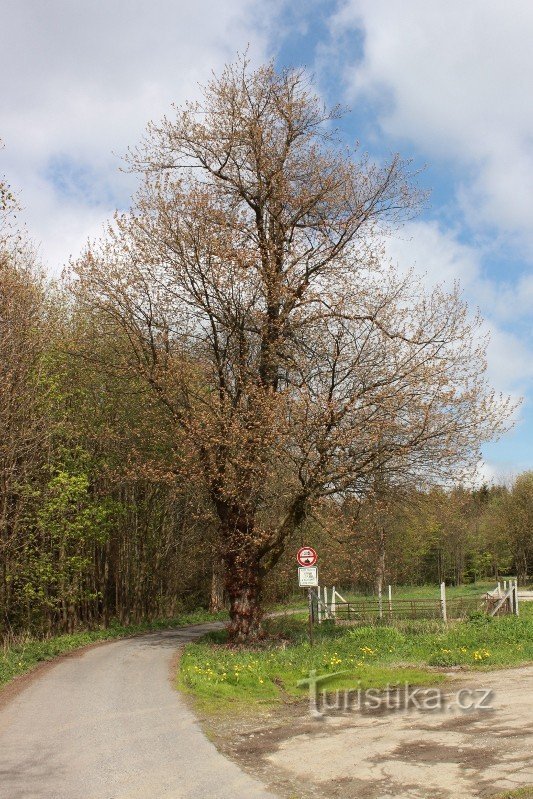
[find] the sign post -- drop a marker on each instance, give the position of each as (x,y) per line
(308,578)
(310,604)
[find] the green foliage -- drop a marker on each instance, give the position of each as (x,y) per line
(383,637)
(480,617)
(67,522)
(73,517)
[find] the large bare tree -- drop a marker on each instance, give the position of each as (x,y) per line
(293,362)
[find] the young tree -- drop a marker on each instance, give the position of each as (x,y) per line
(23,423)
(292,363)
(511,522)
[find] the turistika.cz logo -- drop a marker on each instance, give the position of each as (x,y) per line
(390,699)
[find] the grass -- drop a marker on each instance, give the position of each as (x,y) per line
(520,793)
(28,653)
(433,591)
(371,657)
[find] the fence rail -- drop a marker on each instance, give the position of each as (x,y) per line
(499,603)
(387,609)
(374,611)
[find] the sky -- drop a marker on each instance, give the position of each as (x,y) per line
(447,85)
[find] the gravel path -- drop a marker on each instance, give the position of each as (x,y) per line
(408,754)
(109,725)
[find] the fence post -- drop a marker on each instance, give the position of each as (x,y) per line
(326,612)
(443,601)
(319,604)
(333,603)
(390,600)
(505,585)
(499,589)
(516,611)
(380,603)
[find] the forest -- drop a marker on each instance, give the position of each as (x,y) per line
(232,371)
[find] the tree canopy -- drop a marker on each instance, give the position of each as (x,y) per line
(291,362)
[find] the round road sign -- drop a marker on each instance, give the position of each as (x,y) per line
(306,556)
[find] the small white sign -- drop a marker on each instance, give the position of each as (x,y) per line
(308,576)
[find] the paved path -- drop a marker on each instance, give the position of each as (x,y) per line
(109,725)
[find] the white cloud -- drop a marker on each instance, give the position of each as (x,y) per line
(456,78)
(435,253)
(510,361)
(438,257)
(490,473)
(79,82)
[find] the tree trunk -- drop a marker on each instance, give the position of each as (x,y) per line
(216,602)
(521,567)
(242,573)
(380,566)
(244,587)
(247,560)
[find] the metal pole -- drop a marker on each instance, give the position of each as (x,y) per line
(310,600)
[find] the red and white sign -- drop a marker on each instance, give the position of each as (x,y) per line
(306,556)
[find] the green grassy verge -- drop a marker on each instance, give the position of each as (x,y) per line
(370,657)
(433,591)
(24,656)
(520,793)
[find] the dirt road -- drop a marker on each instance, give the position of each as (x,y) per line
(109,725)
(401,753)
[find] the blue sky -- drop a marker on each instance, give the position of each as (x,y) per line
(447,85)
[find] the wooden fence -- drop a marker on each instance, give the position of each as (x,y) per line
(500,602)
(371,611)
(388,609)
